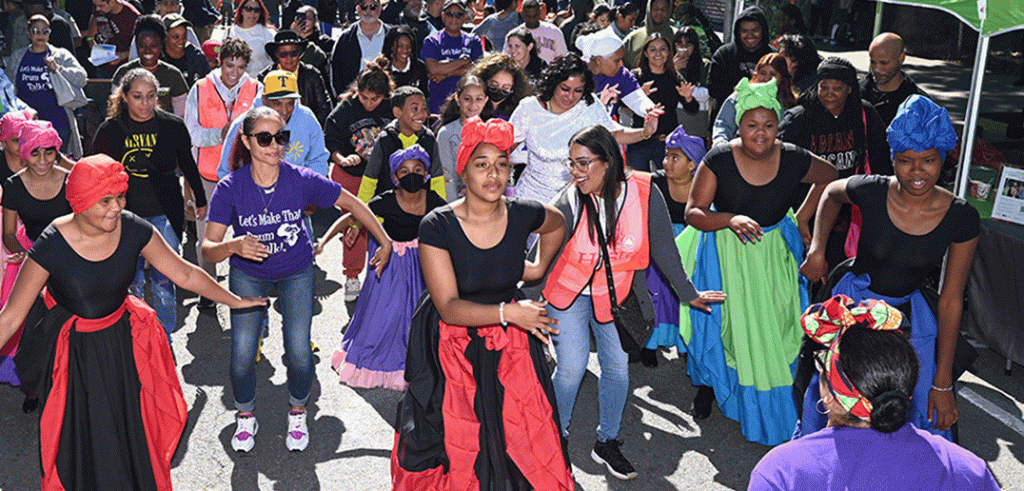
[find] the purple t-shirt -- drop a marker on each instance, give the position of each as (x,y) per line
(442,47)
(34,87)
(625,79)
(846,458)
(274,217)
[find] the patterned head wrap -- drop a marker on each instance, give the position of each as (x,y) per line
(10,124)
(600,43)
(414,152)
(497,132)
(692,146)
(920,125)
(93,178)
(827,322)
(751,96)
(37,134)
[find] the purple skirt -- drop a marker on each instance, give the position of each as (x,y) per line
(372,352)
(666,313)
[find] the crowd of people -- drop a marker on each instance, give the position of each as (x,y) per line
(513,178)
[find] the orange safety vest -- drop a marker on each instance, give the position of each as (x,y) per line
(577,266)
(212,114)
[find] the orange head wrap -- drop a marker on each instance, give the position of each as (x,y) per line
(93,178)
(497,132)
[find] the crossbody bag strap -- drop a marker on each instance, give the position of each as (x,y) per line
(592,211)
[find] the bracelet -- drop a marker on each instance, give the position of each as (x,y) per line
(947,389)
(501,314)
(643,133)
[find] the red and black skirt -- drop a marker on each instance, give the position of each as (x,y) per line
(113,409)
(479,413)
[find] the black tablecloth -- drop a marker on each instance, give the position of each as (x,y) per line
(995,290)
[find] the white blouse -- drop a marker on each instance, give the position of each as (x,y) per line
(545,136)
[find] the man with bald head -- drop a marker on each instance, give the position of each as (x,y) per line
(887,85)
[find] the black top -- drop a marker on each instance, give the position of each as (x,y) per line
(36,214)
(351,129)
(767,204)
(415,76)
(667,96)
(676,210)
(840,140)
(5,170)
(73,280)
(886,103)
(487,276)
(399,225)
(899,262)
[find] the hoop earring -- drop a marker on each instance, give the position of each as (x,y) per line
(822,403)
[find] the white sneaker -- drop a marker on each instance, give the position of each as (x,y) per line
(352,289)
(298,434)
(245,433)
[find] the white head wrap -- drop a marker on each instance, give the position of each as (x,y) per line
(600,43)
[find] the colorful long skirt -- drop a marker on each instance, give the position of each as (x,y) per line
(8,371)
(746,348)
(372,352)
(113,410)
(666,331)
(479,412)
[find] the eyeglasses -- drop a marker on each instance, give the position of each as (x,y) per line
(288,54)
(369,6)
(35,31)
(264,138)
(581,164)
(455,14)
(254,10)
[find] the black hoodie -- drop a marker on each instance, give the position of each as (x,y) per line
(732,61)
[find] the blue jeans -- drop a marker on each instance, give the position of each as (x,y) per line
(572,345)
(165,302)
(295,293)
(645,155)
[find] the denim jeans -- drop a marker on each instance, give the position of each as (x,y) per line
(645,155)
(165,301)
(295,293)
(572,346)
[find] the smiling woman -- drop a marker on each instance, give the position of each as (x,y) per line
(172,89)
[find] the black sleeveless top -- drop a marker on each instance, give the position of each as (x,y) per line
(487,276)
(36,214)
(767,204)
(91,289)
(899,262)
(676,210)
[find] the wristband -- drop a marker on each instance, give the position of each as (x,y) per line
(643,134)
(947,389)
(501,314)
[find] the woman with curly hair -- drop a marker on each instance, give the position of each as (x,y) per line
(564,105)
(505,83)
(403,58)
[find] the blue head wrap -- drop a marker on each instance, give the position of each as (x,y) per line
(414,152)
(920,125)
(692,146)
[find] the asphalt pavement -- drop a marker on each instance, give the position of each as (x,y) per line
(351,429)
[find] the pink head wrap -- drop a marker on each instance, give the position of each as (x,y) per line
(93,178)
(497,132)
(10,124)
(37,134)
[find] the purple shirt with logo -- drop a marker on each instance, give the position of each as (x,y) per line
(273,215)
(626,81)
(442,47)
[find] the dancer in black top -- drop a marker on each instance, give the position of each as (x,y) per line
(98,358)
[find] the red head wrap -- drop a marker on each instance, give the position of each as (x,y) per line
(827,322)
(10,124)
(93,178)
(497,132)
(37,134)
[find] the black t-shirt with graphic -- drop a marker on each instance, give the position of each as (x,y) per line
(139,141)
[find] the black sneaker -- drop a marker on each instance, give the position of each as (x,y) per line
(702,403)
(608,453)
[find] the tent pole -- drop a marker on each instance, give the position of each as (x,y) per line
(971,118)
(879,7)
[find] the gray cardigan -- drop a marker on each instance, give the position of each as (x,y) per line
(67,67)
(664,253)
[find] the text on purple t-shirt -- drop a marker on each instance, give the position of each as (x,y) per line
(442,47)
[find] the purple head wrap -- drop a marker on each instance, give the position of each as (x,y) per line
(414,152)
(692,146)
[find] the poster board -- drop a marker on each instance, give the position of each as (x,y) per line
(1009,202)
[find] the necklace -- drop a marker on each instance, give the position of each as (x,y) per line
(266,191)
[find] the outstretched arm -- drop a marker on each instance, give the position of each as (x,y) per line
(30,282)
(361,212)
(190,277)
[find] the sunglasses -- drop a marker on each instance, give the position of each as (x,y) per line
(369,6)
(264,138)
(35,31)
(252,9)
(288,54)
(455,14)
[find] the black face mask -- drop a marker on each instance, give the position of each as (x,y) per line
(412,182)
(497,95)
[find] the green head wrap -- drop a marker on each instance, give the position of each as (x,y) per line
(750,96)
